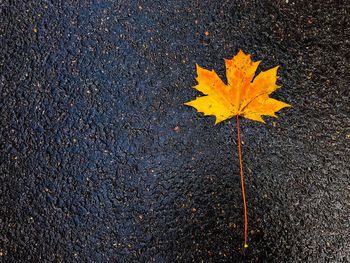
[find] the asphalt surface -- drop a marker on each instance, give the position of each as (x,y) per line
(101,162)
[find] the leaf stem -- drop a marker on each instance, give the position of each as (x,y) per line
(242,183)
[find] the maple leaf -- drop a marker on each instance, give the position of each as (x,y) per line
(243,95)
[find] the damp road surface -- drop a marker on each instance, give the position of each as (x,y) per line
(100,161)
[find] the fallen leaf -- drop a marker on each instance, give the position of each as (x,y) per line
(243,95)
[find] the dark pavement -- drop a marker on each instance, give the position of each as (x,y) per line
(101,162)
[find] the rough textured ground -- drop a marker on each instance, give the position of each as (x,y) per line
(101,162)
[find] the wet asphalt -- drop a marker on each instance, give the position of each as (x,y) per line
(101,162)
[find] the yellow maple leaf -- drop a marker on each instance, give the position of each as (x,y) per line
(243,95)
